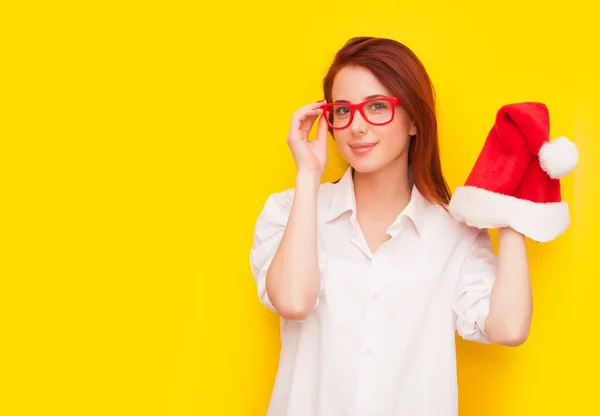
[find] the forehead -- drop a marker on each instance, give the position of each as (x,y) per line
(354,84)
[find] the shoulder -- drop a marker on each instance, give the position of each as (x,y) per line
(279,200)
(443,225)
(279,204)
(464,247)
(283,199)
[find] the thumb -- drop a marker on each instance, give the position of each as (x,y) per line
(322,130)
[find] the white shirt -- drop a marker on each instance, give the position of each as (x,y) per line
(381,339)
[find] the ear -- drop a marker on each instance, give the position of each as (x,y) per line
(413,129)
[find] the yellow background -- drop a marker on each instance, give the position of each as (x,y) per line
(139,141)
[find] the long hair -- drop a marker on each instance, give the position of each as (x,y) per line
(404,75)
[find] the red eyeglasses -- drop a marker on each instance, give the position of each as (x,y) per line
(377,111)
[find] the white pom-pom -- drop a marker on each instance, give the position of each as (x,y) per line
(558,157)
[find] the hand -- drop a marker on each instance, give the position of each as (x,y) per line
(310,156)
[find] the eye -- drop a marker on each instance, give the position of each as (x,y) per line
(380,105)
(341,110)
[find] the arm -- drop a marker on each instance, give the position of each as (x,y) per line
(293,278)
(286,259)
(511,301)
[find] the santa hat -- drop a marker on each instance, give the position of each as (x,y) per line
(515,181)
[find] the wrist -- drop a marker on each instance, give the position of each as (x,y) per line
(507,232)
(309,179)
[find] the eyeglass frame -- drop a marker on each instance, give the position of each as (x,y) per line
(394,101)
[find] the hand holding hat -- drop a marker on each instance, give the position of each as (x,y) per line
(515,181)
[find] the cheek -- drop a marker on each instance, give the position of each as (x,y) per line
(394,136)
(342,138)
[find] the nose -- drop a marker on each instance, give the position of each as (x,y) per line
(359,125)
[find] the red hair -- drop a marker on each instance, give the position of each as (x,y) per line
(403,74)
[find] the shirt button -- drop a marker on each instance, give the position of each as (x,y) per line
(375,296)
(368,351)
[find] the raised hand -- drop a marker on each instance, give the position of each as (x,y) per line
(308,155)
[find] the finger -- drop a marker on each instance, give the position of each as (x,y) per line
(312,112)
(305,131)
(313,105)
(305,121)
(309,108)
(311,115)
(322,129)
(306,113)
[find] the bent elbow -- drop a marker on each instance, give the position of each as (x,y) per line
(292,303)
(294,309)
(292,313)
(515,341)
(511,338)
(505,331)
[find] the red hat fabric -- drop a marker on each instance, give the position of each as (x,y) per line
(515,181)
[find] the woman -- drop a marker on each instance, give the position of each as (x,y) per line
(371,275)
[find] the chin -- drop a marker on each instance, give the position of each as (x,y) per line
(372,161)
(372,164)
(365,165)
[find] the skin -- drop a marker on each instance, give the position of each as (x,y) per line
(382,191)
(381,174)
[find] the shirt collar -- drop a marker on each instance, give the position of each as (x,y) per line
(344,200)
(343,197)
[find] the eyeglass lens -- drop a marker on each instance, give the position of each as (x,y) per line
(376,112)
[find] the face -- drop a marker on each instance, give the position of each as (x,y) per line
(367,147)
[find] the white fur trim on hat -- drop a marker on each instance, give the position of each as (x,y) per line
(481,208)
(558,157)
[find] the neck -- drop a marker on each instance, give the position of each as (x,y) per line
(387,187)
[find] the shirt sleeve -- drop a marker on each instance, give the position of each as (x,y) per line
(268,232)
(471,303)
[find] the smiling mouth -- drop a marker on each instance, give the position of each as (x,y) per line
(362,145)
(362,148)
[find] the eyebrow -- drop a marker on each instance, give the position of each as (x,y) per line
(370,97)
